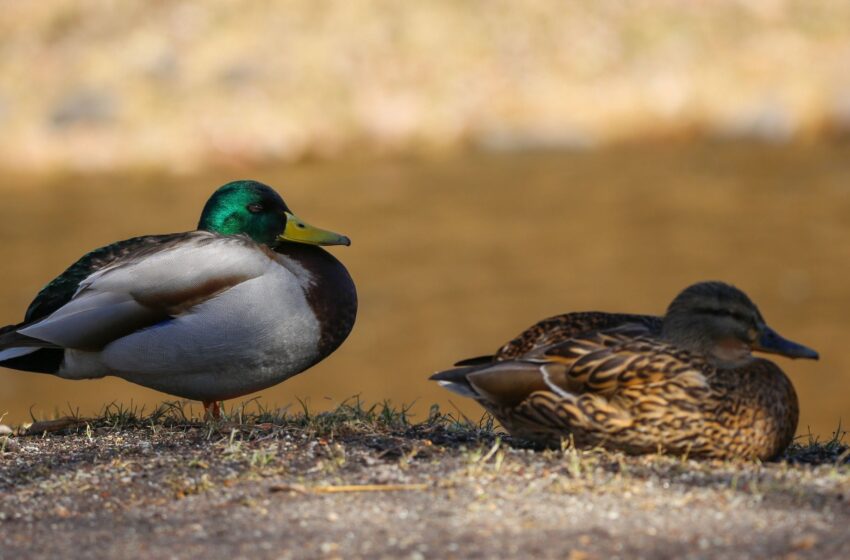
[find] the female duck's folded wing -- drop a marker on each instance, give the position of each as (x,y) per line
(595,394)
(509,381)
(145,288)
(608,364)
(562,328)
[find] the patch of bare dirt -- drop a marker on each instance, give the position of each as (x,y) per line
(358,484)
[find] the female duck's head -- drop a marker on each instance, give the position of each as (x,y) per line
(256,210)
(720,322)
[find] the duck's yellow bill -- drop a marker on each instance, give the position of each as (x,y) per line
(299,231)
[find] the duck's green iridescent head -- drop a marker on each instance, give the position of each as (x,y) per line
(256,210)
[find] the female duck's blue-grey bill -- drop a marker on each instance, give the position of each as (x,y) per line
(771,342)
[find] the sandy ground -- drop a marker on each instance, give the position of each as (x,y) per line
(376,487)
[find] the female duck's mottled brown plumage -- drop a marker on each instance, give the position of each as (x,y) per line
(684,384)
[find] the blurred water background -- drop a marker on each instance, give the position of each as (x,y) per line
(493,162)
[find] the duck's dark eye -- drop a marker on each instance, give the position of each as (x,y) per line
(255,208)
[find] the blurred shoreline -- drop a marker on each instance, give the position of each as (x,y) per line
(94,86)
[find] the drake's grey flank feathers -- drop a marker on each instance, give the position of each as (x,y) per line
(242,303)
(685,383)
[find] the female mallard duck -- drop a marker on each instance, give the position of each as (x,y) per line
(686,383)
(245,302)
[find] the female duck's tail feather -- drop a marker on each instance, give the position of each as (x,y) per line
(455,380)
(477,361)
(503,383)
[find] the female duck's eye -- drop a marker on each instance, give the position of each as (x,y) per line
(752,334)
(255,208)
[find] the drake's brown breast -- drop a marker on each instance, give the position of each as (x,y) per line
(331,295)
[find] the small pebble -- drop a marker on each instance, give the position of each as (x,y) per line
(8,444)
(804,542)
(328,547)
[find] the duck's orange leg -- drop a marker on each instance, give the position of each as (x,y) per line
(212,409)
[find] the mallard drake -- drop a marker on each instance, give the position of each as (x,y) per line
(685,384)
(242,303)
